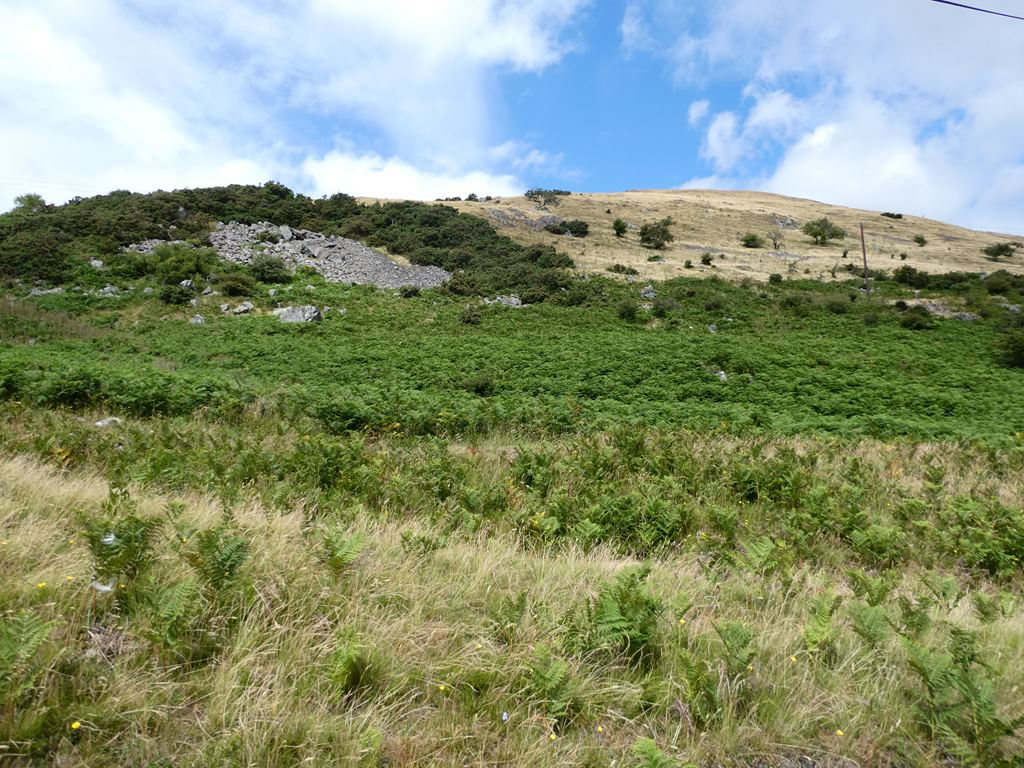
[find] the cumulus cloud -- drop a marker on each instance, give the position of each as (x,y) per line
(698,111)
(844,105)
(375,176)
(161,94)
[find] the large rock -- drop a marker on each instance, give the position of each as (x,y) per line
(244,308)
(303,314)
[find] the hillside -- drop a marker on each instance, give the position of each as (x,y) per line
(268,499)
(715,221)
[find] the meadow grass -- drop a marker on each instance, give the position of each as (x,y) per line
(745,525)
(400,600)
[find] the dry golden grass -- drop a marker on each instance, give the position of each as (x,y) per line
(441,675)
(714,221)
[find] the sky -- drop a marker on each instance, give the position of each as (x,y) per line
(901,105)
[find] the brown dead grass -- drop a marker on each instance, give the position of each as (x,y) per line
(714,221)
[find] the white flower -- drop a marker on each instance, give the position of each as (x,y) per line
(109,539)
(108,587)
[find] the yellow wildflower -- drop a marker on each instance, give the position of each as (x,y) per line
(442,688)
(792,658)
(600,729)
(75,725)
(839,732)
(69,578)
(41,585)
(552,736)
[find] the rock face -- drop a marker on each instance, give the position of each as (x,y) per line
(339,260)
(304,314)
(244,308)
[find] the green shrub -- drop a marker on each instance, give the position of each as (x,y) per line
(822,230)
(916,319)
(657,235)
(706,259)
(907,275)
(175,294)
(628,309)
(619,226)
(889,215)
(479,385)
(999,251)
(750,240)
(622,269)
(408,291)
(774,278)
(269,269)
(920,240)
(236,284)
(663,305)
(175,262)
(471,315)
(687,264)
(1011,347)
(837,306)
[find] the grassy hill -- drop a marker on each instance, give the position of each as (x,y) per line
(691,522)
(715,221)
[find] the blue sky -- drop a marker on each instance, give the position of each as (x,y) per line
(888,104)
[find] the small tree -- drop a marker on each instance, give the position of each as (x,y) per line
(1000,251)
(777,239)
(920,240)
(750,240)
(544,197)
(620,227)
(657,235)
(30,203)
(822,230)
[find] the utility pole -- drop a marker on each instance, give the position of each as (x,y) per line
(864,250)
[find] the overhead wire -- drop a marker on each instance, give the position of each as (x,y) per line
(980,10)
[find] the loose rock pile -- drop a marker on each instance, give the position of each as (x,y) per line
(338,259)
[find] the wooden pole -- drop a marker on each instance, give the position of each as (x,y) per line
(864,251)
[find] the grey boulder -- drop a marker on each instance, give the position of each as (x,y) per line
(303,314)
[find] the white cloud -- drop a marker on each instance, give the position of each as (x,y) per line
(698,111)
(159,94)
(633,29)
(375,176)
(850,107)
(723,144)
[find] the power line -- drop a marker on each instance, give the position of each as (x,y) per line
(980,10)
